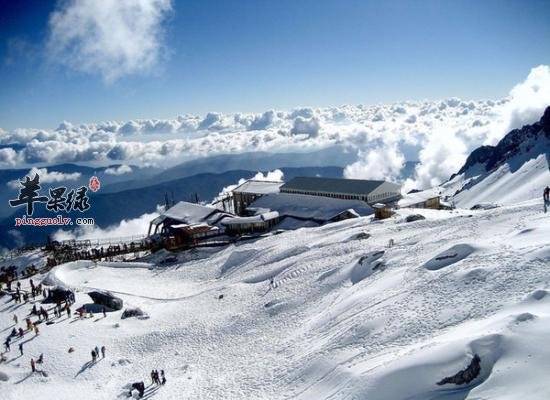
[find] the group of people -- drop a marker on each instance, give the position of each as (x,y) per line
(41,313)
(40,360)
(33,326)
(156,378)
(95,353)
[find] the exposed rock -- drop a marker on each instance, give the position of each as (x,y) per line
(362,235)
(494,156)
(134,312)
(484,206)
(466,375)
(106,299)
(414,217)
(57,295)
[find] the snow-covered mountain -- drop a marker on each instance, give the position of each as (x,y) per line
(516,169)
(347,317)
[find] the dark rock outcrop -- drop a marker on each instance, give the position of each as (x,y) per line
(494,156)
(106,299)
(466,375)
(414,217)
(134,312)
(58,295)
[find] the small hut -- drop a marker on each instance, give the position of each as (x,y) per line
(382,211)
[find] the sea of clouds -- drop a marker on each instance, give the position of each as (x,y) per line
(442,132)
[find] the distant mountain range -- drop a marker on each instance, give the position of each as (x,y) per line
(110,208)
(139,191)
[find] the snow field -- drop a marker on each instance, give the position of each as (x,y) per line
(345,318)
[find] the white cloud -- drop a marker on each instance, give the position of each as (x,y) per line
(381,134)
(384,162)
(125,228)
(527,102)
(442,155)
(120,170)
(274,176)
(47,177)
(8,157)
(309,127)
(111,37)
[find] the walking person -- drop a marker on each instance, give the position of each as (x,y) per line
(7,344)
(15,319)
(36,330)
(33,365)
(21,348)
(163,378)
(104,313)
(93,356)
(152,376)
(103,351)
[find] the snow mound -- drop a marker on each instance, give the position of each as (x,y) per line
(449,257)
(475,275)
(524,317)
(238,258)
(538,295)
(357,271)
(4,377)
(417,373)
(366,266)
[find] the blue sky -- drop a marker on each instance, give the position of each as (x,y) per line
(250,56)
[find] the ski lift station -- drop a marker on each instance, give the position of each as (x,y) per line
(257,206)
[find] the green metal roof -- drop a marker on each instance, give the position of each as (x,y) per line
(332,185)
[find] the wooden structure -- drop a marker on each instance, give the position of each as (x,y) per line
(183,236)
(382,211)
(253,224)
(422,199)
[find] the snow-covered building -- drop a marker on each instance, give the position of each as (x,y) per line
(369,191)
(382,211)
(244,194)
(429,198)
(253,224)
(186,223)
(296,210)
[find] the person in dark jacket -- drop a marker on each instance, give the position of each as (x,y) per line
(139,386)
(162,377)
(21,348)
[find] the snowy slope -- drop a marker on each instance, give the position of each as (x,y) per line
(517,169)
(347,317)
(505,185)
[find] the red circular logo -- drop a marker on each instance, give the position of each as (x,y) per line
(94,184)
